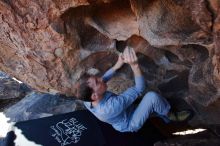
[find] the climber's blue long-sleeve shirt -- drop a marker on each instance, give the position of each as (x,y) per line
(115,109)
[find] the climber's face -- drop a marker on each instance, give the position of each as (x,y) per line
(98,86)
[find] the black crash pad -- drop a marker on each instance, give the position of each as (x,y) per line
(80,128)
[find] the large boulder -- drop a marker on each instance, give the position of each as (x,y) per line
(37,105)
(50,44)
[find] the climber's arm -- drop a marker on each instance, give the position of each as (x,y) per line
(109,74)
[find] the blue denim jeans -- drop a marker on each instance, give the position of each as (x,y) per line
(151,103)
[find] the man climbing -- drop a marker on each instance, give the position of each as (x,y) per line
(119,110)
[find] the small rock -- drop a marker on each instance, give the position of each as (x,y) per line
(59,52)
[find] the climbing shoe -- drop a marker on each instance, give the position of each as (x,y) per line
(180,116)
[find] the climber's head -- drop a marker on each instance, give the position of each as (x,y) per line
(91,88)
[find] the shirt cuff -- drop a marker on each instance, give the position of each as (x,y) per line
(140,83)
(108,75)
